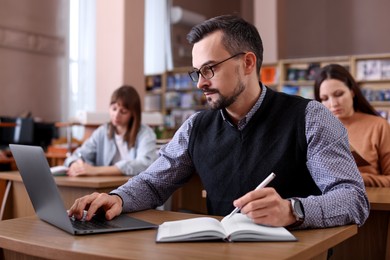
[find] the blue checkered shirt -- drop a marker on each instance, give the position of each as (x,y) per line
(343,200)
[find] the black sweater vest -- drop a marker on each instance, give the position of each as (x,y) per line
(231,163)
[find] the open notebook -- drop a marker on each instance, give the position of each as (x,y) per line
(47,201)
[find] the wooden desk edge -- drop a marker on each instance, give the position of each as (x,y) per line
(86,182)
(344,233)
(335,235)
(379,198)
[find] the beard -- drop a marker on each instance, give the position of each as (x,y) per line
(225,101)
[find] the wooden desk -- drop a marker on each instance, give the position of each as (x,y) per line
(30,236)
(372,241)
(8,160)
(373,238)
(16,202)
(88,130)
(191,197)
(55,159)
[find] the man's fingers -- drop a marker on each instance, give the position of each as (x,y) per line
(251,196)
(81,204)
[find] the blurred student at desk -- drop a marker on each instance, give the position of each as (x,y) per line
(249,132)
(124,146)
(368,133)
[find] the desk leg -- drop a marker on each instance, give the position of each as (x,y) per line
(322,256)
(387,253)
(5,199)
(69,140)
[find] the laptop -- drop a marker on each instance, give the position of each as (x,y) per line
(47,202)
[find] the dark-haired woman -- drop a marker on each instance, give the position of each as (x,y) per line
(368,133)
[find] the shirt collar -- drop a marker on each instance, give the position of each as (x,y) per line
(243,122)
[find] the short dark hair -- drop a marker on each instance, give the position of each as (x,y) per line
(129,98)
(338,72)
(238,35)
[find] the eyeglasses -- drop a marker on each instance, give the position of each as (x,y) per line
(207,71)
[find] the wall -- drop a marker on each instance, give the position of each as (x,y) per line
(33,77)
(318,28)
(134,45)
(181,50)
(266,22)
(33,73)
(32,58)
(119,48)
(109,50)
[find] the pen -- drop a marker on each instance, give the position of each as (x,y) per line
(80,156)
(261,185)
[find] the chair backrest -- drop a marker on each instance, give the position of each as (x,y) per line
(44,134)
(21,133)
(24,131)
(7,132)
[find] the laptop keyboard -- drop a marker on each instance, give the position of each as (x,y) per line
(94,223)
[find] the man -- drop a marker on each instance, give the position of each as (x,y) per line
(250,132)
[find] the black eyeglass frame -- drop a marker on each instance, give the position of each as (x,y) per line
(194,75)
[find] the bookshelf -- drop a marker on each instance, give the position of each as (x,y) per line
(297,75)
(182,98)
(176,96)
(173,94)
(372,73)
(154,93)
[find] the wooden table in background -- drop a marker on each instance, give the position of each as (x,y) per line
(373,238)
(88,130)
(33,237)
(55,159)
(16,202)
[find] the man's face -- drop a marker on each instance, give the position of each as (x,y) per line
(225,86)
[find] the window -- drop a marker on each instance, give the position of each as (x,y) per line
(81,57)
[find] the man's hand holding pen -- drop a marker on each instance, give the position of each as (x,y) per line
(265,206)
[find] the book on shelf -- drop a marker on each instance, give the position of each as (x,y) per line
(172,99)
(268,75)
(187,100)
(291,90)
(385,70)
(152,102)
(296,74)
(153,82)
(180,81)
(368,70)
(313,69)
(306,92)
(236,228)
(380,95)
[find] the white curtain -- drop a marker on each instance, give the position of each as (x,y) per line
(82,41)
(158,52)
